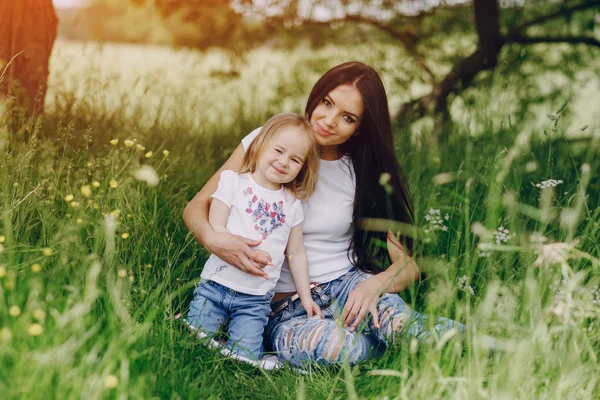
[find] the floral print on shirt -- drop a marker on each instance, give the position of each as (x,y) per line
(266,216)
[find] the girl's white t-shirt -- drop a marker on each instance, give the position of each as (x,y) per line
(327,224)
(255,213)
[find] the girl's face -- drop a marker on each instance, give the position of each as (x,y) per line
(336,119)
(282,158)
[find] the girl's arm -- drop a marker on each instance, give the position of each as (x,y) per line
(401,274)
(232,249)
(218,215)
(299,269)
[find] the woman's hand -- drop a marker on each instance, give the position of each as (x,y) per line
(361,300)
(237,251)
(311,307)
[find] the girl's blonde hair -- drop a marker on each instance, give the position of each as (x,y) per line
(305,183)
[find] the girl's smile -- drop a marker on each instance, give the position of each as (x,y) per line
(281,159)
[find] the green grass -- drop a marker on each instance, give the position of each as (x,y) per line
(109,303)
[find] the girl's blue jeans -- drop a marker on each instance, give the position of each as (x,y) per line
(214,304)
(299,339)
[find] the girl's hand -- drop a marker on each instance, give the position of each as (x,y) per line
(311,307)
(237,251)
(361,300)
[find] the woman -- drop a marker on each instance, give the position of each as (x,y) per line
(348,111)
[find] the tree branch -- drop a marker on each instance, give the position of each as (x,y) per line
(405,37)
(459,78)
(563,11)
(552,39)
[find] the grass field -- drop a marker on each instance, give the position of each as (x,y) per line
(96,264)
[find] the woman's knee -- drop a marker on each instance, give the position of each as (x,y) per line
(393,314)
(326,344)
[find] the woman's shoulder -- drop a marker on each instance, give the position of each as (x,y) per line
(247,140)
(340,170)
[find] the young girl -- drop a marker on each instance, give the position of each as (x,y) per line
(262,202)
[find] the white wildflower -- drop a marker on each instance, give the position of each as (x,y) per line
(548,183)
(435,221)
(463,284)
(147,174)
(502,235)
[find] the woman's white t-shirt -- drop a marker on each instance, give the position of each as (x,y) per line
(327,224)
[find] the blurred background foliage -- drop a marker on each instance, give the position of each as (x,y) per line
(443,48)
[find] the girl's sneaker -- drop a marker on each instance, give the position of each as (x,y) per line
(269,362)
(212,343)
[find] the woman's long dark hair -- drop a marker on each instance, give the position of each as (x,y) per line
(373,153)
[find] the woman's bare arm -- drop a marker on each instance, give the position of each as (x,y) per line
(404,269)
(401,274)
(234,250)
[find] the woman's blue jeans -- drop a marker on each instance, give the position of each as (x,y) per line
(299,339)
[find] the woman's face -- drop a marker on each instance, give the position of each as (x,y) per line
(336,119)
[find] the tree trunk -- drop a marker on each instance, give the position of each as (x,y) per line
(487,23)
(27,27)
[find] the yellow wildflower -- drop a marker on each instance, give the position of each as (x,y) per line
(111,381)
(86,190)
(36,267)
(125,235)
(96,184)
(14,311)
(47,252)
(2,271)
(35,329)
(114,142)
(74,204)
(139,147)
(5,335)
(69,197)
(130,278)
(113,184)
(166,153)
(128,143)
(115,213)
(148,265)
(122,273)
(2,238)
(79,220)
(1,248)
(16,184)
(148,154)
(39,314)
(90,165)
